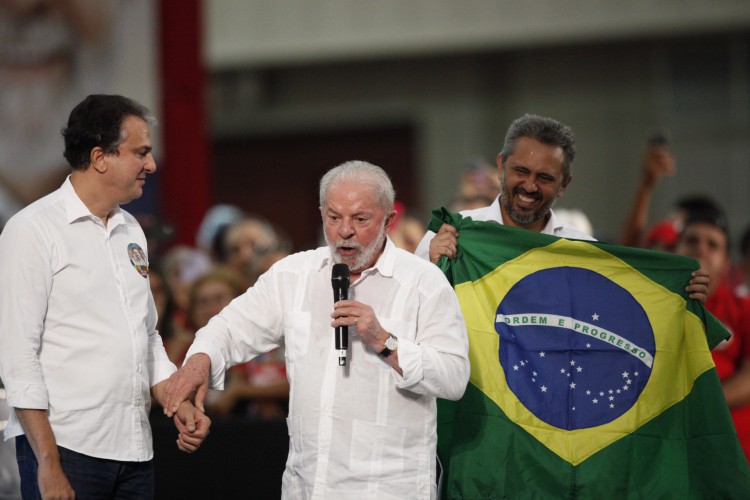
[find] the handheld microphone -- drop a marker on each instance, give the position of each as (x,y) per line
(340,283)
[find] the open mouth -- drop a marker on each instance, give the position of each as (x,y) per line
(526,200)
(347,251)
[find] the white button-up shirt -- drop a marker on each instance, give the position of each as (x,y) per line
(78,326)
(492,213)
(360,431)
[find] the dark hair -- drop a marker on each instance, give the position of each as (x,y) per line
(714,217)
(697,203)
(97,122)
(545,130)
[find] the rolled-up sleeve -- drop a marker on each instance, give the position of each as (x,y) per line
(24,291)
(436,362)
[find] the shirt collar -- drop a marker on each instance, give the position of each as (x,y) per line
(75,209)
(386,261)
(554,224)
(494,211)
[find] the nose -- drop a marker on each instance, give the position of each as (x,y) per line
(702,252)
(529,185)
(150,164)
(246,252)
(346,230)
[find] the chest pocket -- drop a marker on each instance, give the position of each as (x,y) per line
(296,334)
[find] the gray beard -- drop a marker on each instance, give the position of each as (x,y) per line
(520,219)
(366,255)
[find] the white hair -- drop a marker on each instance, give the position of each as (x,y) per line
(363,172)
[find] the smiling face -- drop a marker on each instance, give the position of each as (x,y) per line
(128,166)
(530,181)
(355,224)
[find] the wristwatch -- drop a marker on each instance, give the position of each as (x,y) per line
(391,344)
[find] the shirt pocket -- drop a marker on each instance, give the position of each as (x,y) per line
(296,334)
(378,452)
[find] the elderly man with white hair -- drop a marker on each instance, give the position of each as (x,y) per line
(365,430)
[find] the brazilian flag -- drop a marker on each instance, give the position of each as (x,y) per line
(591,375)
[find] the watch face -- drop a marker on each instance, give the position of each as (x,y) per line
(391,343)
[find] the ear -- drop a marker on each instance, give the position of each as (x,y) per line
(564,185)
(390,218)
(98,160)
(499,166)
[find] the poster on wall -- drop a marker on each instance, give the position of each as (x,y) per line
(53,53)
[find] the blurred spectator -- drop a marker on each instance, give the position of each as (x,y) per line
(180,266)
(248,239)
(658,162)
(212,231)
(210,293)
(479,186)
(705,237)
(406,231)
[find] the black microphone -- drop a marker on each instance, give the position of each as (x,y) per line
(340,283)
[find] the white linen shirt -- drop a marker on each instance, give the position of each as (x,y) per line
(360,431)
(78,327)
(492,213)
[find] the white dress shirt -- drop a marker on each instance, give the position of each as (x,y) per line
(77,326)
(492,213)
(360,431)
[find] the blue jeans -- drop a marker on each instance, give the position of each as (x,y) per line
(91,478)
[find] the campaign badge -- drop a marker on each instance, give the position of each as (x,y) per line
(138,259)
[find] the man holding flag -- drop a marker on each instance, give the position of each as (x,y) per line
(590,369)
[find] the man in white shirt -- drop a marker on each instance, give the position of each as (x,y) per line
(535,167)
(79,353)
(366,430)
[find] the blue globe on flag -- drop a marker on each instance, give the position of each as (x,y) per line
(574,360)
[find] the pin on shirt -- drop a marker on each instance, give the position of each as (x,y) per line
(138,258)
